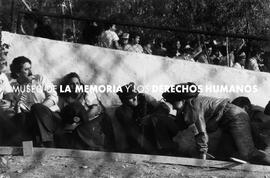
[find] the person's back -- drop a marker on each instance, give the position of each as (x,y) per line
(109,38)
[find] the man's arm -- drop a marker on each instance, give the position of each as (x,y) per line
(194,114)
(50,93)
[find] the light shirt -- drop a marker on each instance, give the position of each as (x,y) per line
(5,86)
(39,90)
(107,38)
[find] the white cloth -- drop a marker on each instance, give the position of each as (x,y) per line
(238,66)
(107,38)
(253,64)
(39,90)
(5,86)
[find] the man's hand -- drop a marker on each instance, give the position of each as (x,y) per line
(202,156)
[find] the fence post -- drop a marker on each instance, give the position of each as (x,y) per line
(227,51)
(1,40)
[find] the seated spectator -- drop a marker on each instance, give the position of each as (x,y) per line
(188,53)
(240,61)
(90,33)
(253,62)
(109,39)
(125,42)
(93,128)
(158,48)
(145,123)
(177,50)
(135,46)
(203,56)
(147,49)
(36,109)
(69,36)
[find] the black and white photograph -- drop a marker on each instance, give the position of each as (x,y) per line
(134,88)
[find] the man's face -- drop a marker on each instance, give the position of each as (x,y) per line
(243,61)
(178,45)
(26,72)
(137,39)
(125,41)
(113,28)
(74,81)
(133,101)
(178,105)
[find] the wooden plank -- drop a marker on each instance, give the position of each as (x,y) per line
(11,151)
(124,157)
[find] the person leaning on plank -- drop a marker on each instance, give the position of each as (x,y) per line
(208,114)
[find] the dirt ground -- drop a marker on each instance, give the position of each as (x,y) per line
(60,167)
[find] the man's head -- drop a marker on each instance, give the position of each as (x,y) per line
(178,94)
(128,95)
(125,38)
(113,27)
(242,102)
(21,69)
(136,39)
(178,44)
(72,80)
(241,59)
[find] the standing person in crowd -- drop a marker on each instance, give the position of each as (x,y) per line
(240,61)
(208,114)
(125,42)
(188,53)
(93,128)
(109,38)
(44,28)
(253,62)
(145,123)
(135,45)
(147,49)
(90,33)
(69,36)
(36,109)
(158,48)
(178,51)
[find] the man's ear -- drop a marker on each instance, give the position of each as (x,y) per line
(76,119)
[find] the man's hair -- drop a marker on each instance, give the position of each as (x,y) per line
(242,101)
(66,80)
(16,65)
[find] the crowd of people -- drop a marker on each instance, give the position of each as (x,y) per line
(78,120)
(244,55)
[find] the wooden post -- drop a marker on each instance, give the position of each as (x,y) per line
(28,148)
(227,51)
(1,52)
(12,16)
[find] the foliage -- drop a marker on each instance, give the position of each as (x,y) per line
(235,16)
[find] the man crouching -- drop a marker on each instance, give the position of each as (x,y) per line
(208,113)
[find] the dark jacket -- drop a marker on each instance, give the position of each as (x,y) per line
(131,120)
